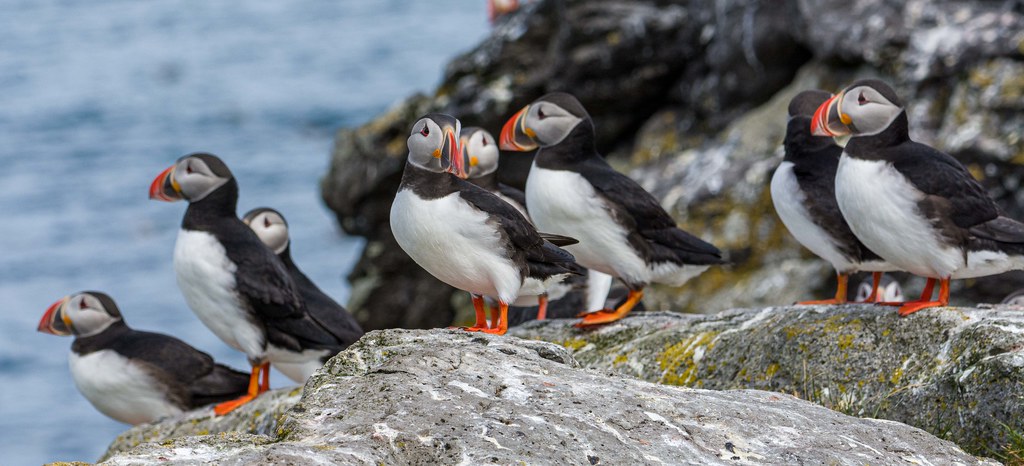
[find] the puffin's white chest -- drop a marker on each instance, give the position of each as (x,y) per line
(789,202)
(207,280)
(564,203)
(118,388)
(880,205)
(455,243)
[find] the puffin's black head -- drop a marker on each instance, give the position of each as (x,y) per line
(83,314)
(192,177)
(434,144)
(270,226)
(545,122)
(864,108)
(479,152)
(807,102)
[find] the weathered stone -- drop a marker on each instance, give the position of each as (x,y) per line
(955,372)
(446,397)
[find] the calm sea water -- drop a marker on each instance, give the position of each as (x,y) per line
(97,97)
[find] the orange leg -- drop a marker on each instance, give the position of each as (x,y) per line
(924,303)
(542,309)
(604,317)
(265,382)
(840,298)
(254,390)
(500,325)
(481,315)
(876,279)
(926,296)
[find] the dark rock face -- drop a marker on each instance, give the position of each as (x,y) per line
(955,372)
(451,397)
(689,99)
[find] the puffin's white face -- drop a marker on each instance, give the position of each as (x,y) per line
(890,292)
(270,227)
(479,153)
(541,123)
(861,110)
(433,144)
(83,314)
(192,178)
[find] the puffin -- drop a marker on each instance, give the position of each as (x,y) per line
(480,161)
(235,284)
(466,236)
(803,192)
(571,190)
(917,207)
(132,376)
(879,290)
(272,229)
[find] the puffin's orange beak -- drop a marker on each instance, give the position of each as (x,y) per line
(50,324)
(515,136)
(451,154)
(165,188)
(829,119)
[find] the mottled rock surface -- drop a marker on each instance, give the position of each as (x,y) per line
(955,372)
(446,397)
(689,99)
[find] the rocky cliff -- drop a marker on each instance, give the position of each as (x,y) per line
(446,397)
(689,99)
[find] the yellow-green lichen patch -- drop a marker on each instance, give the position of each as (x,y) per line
(679,361)
(573,344)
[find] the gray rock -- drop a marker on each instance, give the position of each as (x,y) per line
(446,397)
(955,372)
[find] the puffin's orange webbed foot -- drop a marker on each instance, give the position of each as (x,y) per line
(229,406)
(909,308)
(604,317)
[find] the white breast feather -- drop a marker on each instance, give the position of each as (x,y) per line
(564,203)
(880,206)
(789,204)
(455,243)
(207,280)
(118,388)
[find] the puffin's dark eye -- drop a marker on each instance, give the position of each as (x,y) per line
(861,99)
(425,131)
(266,222)
(483,141)
(188,169)
(540,113)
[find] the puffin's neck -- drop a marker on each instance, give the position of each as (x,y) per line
(488,181)
(800,143)
(212,209)
(427,184)
(577,147)
(866,147)
(102,340)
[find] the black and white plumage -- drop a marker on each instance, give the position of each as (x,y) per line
(571,190)
(336,322)
(884,289)
(133,376)
(803,192)
(917,207)
(236,285)
(464,235)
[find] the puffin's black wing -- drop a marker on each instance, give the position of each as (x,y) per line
(1001,229)
(651,230)
(952,193)
(191,376)
(532,251)
(332,318)
(512,193)
(261,278)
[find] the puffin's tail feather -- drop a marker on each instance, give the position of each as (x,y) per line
(1001,229)
(221,384)
(676,245)
(558,240)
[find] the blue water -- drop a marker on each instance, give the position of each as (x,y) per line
(97,97)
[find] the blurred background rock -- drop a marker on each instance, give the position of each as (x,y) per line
(689,98)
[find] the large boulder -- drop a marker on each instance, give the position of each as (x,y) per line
(955,372)
(689,99)
(446,397)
